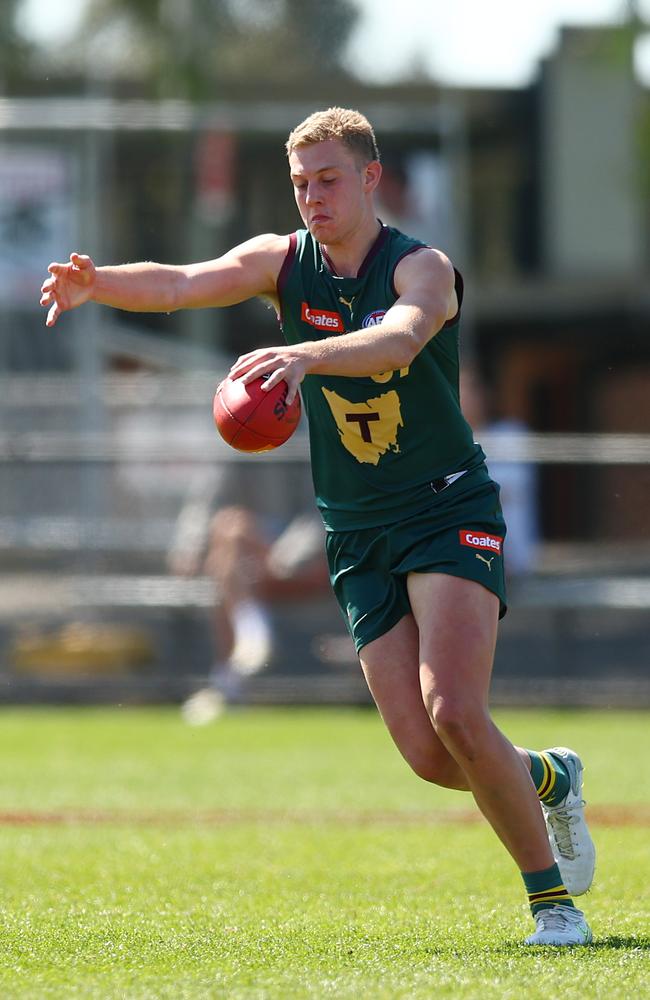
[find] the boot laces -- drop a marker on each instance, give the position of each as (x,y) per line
(563,821)
(558,918)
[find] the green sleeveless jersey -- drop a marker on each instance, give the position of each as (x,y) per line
(377,442)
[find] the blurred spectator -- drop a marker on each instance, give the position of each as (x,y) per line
(415,196)
(251,571)
(518,480)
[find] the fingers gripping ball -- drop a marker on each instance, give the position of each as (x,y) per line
(250,419)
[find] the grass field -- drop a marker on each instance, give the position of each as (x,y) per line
(287,854)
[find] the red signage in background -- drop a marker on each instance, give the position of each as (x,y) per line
(215,175)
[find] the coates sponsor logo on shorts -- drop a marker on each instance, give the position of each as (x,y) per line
(322,319)
(480,540)
(374,318)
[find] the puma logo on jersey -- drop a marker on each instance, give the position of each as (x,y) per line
(347,302)
(488,562)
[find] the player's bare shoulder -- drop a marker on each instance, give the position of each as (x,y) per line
(266,252)
(270,244)
(246,271)
(426,264)
(428,270)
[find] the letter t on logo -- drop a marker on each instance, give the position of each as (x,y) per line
(363,419)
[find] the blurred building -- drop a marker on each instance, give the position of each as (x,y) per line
(561,257)
(540,195)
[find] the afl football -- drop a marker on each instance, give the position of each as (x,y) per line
(252,419)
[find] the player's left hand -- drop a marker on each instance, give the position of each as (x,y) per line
(276,362)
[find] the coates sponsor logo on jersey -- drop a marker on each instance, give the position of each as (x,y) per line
(374,318)
(322,319)
(480,540)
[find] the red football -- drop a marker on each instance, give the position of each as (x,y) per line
(251,419)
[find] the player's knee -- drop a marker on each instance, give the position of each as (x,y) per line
(233,522)
(459,725)
(423,768)
(435,767)
(428,771)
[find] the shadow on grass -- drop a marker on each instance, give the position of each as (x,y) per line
(512,948)
(616,942)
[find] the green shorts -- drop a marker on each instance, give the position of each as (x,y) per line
(461,533)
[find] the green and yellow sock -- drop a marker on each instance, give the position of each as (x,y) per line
(546,889)
(550,777)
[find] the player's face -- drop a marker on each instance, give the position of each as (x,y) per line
(331,188)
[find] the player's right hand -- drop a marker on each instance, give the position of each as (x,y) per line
(68,286)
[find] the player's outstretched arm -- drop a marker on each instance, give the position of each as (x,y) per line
(250,269)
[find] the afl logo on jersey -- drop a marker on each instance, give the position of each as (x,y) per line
(374,318)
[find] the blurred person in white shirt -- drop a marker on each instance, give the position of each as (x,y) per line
(518,480)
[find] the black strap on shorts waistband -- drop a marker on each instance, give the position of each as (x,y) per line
(438,485)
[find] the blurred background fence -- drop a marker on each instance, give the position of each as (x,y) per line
(539,193)
(90,610)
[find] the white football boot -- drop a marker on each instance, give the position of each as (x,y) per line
(560,925)
(203,706)
(252,639)
(571,843)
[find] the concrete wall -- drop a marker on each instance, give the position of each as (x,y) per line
(592,218)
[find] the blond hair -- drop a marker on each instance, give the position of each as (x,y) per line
(350,127)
